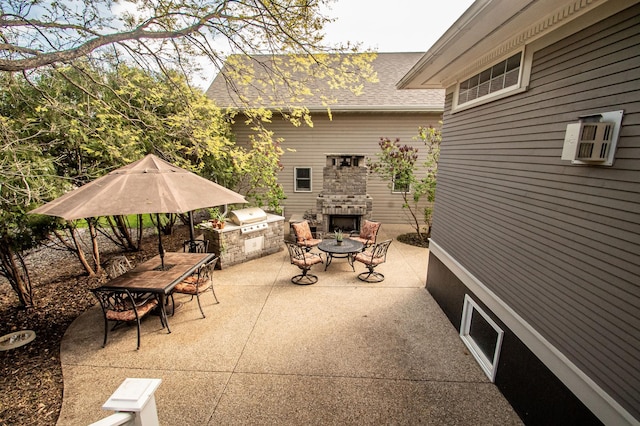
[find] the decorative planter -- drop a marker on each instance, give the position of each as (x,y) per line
(16,339)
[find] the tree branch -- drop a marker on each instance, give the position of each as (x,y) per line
(140,33)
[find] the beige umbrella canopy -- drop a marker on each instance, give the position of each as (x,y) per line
(149,185)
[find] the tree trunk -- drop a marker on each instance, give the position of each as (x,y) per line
(76,249)
(121,233)
(416,222)
(124,229)
(94,243)
(140,231)
(13,268)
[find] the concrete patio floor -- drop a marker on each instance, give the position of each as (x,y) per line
(337,352)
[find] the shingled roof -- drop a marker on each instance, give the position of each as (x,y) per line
(379,96)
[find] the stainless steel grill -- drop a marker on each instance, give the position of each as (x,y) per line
(251,219)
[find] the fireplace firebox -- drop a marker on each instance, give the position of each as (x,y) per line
(344,223)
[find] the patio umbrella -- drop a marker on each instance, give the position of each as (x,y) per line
(150,185)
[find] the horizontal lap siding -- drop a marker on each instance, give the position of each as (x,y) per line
(349,133)
(560,244)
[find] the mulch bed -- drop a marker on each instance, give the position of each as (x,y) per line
(31,382)
(413,239)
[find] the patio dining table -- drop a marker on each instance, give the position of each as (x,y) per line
(151,277)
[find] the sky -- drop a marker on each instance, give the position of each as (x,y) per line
(407,26)
(394,26)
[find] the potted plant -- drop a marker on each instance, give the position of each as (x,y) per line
(217,218)
(339,237)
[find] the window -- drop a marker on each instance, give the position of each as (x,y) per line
(503,75)
(482,336)
(302,179)
(399,185)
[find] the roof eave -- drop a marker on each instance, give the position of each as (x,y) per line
(368,108)
(490,29)
(382,108)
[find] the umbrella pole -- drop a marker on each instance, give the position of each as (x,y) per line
(160,248)
(191,232)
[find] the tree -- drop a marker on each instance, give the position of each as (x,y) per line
(397,164)
(37,34)
(95,84)
(25,180)
(176,36)
(158,34)
(84,40)
(431,137)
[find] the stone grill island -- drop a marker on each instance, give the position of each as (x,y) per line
(251,233)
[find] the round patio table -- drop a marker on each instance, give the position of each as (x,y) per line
(346,250)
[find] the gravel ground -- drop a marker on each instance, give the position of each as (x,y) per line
(31,381)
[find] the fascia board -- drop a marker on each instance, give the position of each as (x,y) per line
(488,30)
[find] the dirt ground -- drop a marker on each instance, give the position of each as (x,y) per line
(31,382)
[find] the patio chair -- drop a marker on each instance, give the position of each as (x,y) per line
(367,234)
(197,284)
(121,307)
(195,246)
(372,258)
(117,266)
(304,237)
(304,260)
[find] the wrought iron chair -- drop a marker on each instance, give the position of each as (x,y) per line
(304,237)
(121,307)
(372,258)
(195,246)
(367,234)
(117,266)
(304,260)
(198,283)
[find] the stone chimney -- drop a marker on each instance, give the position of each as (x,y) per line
(344,201)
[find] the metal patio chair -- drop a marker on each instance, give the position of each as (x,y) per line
(371,258)
(304,237)
(117,266)
(367,234)
(304,260)
(195,246)
(197,284)
(121,307)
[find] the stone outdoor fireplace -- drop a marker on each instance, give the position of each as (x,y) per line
(343,202)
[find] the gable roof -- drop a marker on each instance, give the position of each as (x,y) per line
(379,96)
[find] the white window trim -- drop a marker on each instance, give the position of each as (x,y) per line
(295,179)
(523,83)
(489,366)
(395,191)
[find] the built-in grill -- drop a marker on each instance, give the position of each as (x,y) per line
(249,234)
(251,219)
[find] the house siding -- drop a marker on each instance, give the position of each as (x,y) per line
(558,244)
(533,391)
(346,133)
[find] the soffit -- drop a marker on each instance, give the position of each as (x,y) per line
(488,31)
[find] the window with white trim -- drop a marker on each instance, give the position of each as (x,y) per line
(302,179)
(482,336)
(399,186)
(497,79)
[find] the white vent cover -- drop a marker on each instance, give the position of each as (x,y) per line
(593,142)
